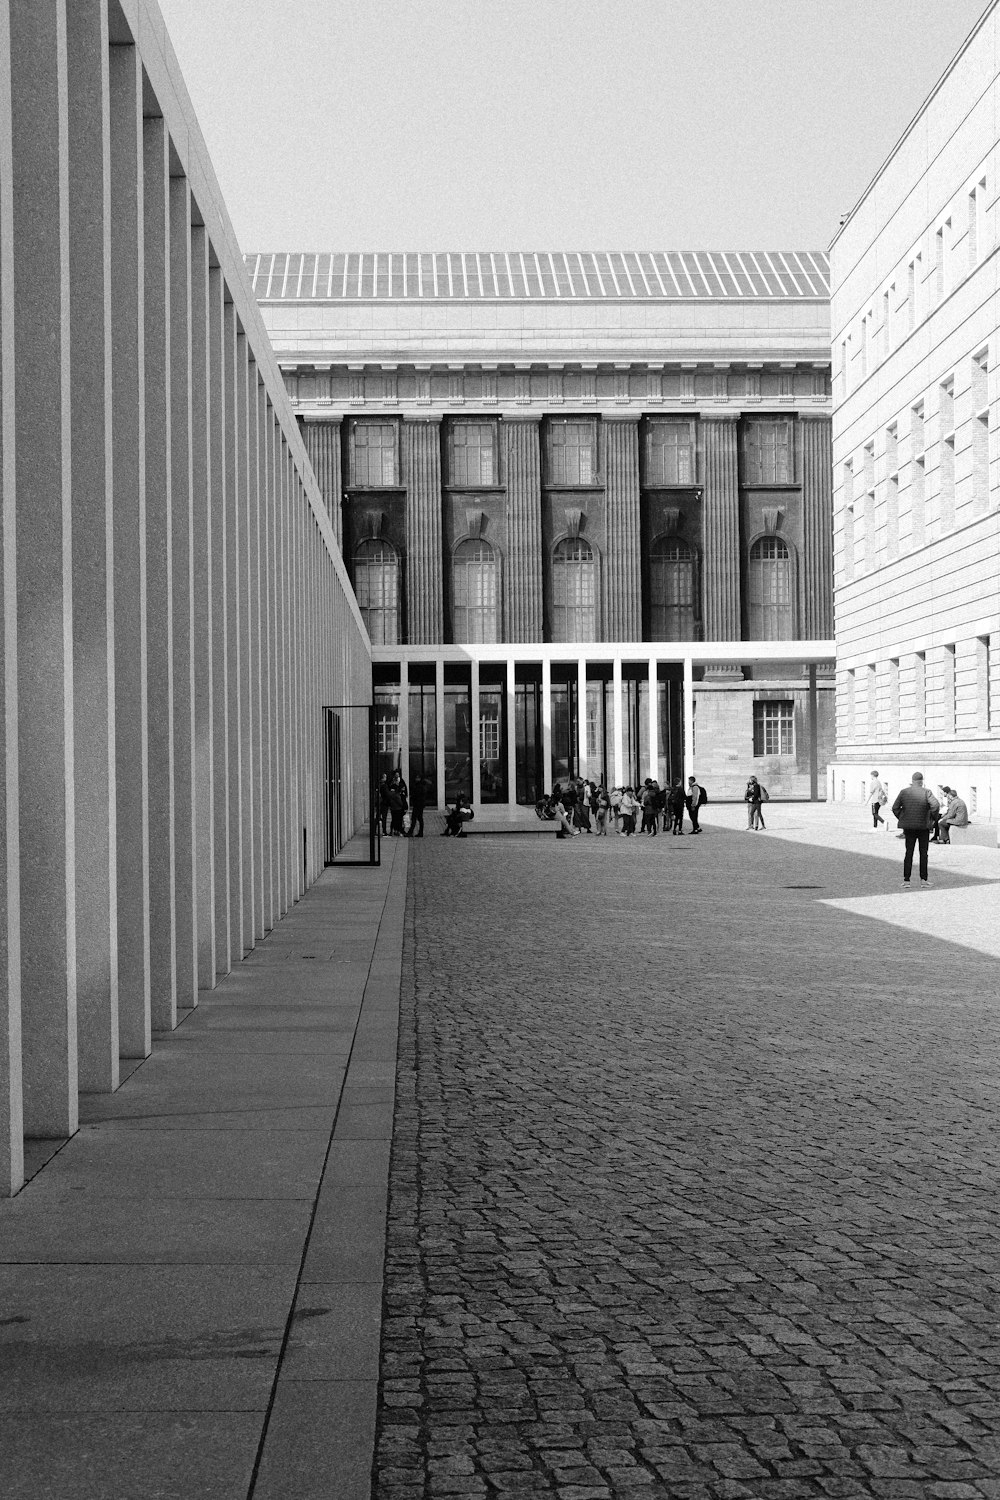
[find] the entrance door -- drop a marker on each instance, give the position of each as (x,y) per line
(334,788)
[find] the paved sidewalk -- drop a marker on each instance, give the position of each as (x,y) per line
(694,1176)
(191,1288)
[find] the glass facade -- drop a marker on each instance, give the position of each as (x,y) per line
(457,740)
(565,739)
(528,740)
(423,738)
(492,742)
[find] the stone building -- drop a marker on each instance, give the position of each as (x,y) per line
(917,526)
(566,484)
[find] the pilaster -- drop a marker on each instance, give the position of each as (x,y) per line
(623,611)
(323,444)
(424,542)
(721,531)
(816,573)
(523,593)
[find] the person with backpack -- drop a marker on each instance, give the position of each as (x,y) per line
(754,795)
(694,798)
(914,810)
(675,805)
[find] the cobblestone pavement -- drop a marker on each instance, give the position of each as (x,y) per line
(694,1181)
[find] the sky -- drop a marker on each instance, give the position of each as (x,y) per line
(554,124)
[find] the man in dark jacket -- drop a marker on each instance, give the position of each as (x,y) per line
(914,809)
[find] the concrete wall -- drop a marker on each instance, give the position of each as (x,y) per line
(175,610)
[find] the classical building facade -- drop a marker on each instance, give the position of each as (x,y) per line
(565,485)
(917,526)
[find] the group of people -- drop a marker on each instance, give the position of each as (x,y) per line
(395,801)
(580,806)
(922,817)
(950,810)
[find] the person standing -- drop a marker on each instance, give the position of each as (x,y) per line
(754,795)
(957,815)
(914,810)
(629,806)
(675,805)
(693,800)
(418,802)
(877,798)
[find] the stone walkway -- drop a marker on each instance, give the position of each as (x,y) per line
(694,1177)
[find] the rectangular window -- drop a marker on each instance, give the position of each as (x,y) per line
(572,452)
(768,451)
(864,346)
(984,705)
(373,454)
(913,291)
(886,326)
(977,222)
(919,693)
(471,454)
(774,728)
(942,248)
(872,704)
(948,689)
(851,704)
(845,364)
(980,434)
(918,476)
(892,491)
(869,459)
(894,697)
(848,538)
(670,454)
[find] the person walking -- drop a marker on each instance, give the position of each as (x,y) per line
(914,809)
(754,795)
(693,799)
(877,798)
(956,816)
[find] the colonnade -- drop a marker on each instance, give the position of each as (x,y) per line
(175,608)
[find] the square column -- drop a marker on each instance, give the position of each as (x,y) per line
(546,725)
(439,729)
(581,717)
(511,732)
(654,719)
(403,721)
(616,695)
(477,768)
(688,719)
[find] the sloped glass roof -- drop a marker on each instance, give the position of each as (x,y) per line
(539,275)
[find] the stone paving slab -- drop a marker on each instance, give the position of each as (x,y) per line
(693,1187)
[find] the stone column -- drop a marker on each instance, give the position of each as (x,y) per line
(11,1095)
(623,611)
(93,546)
(816,573)
(689,769)
(721,535)
(424,545)
(231,353)
(511,690)
(129,498)
(323,444)
(619,742)
(546,725)
(477,765)
(652,708)
(581,717)
(523,611)
(159,575)
(43,478)
(205,501)
(439,729)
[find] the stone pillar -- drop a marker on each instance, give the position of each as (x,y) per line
(689,769)
(581,716)
(652,708)
(231,351)
(477,765)
(546,724)
(439,729)
(43,478)
(129,486)
(619,742)
(816,573)
(424,545)
(182,591)
(403,722)
(721,535)
(323,444)
(206,503)
(523,611)
(159,575)
(623,610)
(93,545)
(11,1093)
(511,687)
(246,423)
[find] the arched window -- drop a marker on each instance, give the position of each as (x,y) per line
(376,584)
(475,592)
(772,613)
(574,591)
(672,585)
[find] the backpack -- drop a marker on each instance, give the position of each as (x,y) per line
(764,794)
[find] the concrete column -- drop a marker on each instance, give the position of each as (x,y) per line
(424,545)
(182,591)
(159,576)
(623,609)
(616,698)
(43,478)
(129,550)
(254,587)
(511,732)
(721,535)
(581,716)
(654,719)
(816,573)
(11,1091)
(234,372)
(813,735)
(439,728)
(204,502)
(477,765)
(546,725)
(246,421)
(268,556)
(219,608)
(89,136)
(284,810)
(323,445)
(689,769)
(523,612)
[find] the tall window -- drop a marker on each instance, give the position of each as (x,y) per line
(574,591)
(376,584)
(373,454)
(475,592)
(572,452)
(471,455)
(670,453)
(768,453)
(671,590)
(774,728)
(770,592)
